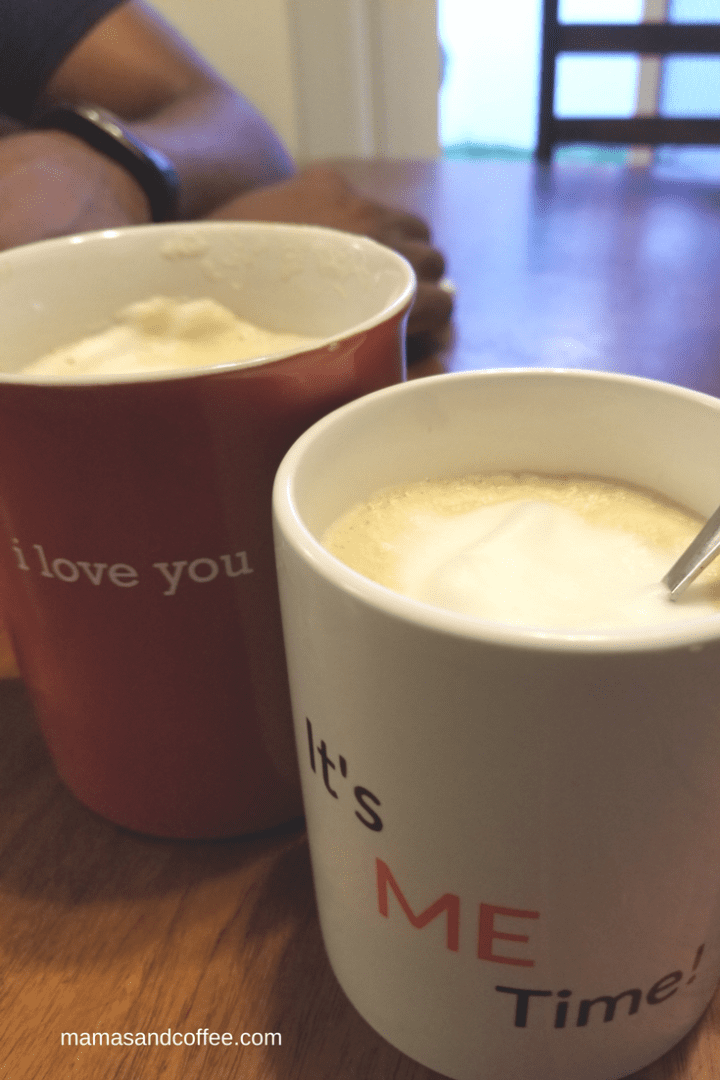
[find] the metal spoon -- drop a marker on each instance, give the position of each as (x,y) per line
(695,558)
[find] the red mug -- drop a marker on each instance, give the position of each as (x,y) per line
(136,555)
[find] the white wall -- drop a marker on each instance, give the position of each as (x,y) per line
(407,69)
(248,41)
(335,78)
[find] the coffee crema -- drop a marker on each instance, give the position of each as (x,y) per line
(162,334)
(550,552)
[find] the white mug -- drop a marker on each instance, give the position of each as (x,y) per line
(515,835)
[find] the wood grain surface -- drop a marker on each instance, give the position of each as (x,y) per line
(567,266)
(105,931)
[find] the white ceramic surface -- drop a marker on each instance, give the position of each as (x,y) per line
(515,835)
(292,278)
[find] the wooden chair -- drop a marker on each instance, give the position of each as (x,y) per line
(645,39)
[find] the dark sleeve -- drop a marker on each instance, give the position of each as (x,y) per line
(35,37)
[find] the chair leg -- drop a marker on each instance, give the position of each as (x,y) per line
(546,106)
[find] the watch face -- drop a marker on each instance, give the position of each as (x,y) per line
(106,122)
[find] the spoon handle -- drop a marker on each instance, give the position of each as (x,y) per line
(702,551)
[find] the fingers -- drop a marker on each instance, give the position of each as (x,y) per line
(405,226)
(427,262)
(431,312)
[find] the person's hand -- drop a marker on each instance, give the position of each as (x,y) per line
(320,196)
(52,184)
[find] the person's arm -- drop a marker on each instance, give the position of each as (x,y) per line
(133,64)
(229,161)
(225,151)
(51,184)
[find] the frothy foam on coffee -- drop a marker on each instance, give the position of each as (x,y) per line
(556,553)
(166,335)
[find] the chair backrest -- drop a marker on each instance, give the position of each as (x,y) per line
(645,39)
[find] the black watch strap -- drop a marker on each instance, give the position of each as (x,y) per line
(106,134)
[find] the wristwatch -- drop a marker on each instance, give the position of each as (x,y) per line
(106,134)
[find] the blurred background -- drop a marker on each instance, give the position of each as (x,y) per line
(505,75)
(419,78)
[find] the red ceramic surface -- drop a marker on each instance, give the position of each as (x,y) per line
(138,578)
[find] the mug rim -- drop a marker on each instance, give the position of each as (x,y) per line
(690,634)
(30,252)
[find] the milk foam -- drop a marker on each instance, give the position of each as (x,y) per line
(535,562)
(165,335)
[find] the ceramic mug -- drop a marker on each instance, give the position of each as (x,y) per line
(515,834)
(136,562)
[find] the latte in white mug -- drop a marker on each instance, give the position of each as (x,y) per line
(554,552)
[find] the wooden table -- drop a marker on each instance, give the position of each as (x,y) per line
(600,268)
(105,931)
